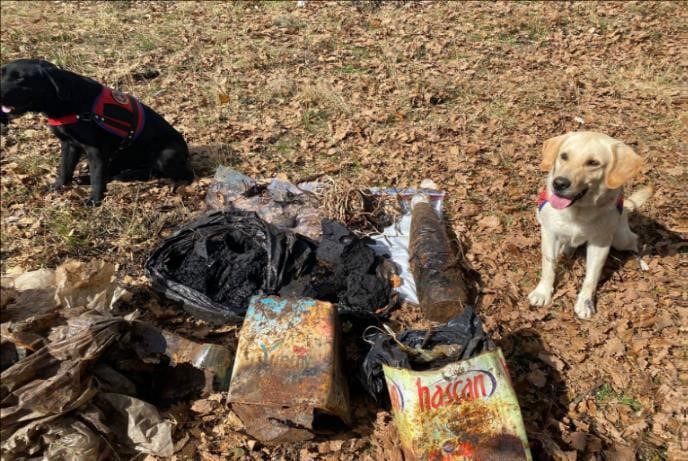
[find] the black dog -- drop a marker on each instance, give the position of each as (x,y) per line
(121,137)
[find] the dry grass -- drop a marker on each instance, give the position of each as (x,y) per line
(463,93)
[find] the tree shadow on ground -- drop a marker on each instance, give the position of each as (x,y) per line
(654,239)
(542,407)
(460,248)
(206,158)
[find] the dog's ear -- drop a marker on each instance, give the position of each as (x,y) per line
(550,149)
(624,164)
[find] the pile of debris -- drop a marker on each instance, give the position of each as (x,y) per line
(79,380)
(215,264)
(81,373)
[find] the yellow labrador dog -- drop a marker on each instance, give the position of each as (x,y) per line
(583,202)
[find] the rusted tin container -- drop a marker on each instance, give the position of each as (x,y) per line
(213,359)
(466,410)
(287,378)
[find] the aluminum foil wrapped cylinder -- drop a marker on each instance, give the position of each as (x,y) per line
(287,382)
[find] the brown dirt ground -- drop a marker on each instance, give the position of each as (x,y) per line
(463,93)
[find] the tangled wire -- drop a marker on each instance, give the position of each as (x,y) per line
(357,207)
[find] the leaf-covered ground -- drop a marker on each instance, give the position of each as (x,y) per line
(463,93)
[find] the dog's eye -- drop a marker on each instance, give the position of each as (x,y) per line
(564,156)
(592,162)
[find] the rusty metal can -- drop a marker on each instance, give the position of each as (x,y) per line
(214,360)
(466,410)
(287,377)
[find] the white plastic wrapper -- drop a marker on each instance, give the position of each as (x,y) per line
(394,240)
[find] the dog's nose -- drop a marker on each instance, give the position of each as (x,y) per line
(561,183)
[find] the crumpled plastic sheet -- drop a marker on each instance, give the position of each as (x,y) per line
(281,203)
(69,439)
(52,381)
(349,273)
(90,285)
(422,351)
(35,302)
(138,424)
(60,438)
(72,284)
(65,402)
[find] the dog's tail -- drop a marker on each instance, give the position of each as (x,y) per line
(637,198)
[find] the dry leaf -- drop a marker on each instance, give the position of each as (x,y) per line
(537,378)
(489,222)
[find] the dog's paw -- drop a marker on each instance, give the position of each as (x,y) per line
(54,187)
(93,202)
(643,265)
(82,180)
(584,308)
(540,296)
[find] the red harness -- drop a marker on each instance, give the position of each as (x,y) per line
(543,198)
(66,120)
(115,112)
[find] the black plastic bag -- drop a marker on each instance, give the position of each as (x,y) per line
(348,274)
(422,350)
(216,263)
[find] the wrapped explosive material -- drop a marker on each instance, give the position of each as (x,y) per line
(439,282)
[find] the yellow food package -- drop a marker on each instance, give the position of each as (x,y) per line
(466,410)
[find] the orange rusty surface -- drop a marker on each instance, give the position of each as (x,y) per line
(287,356)
(457,413)
(470,421)
(273,424)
